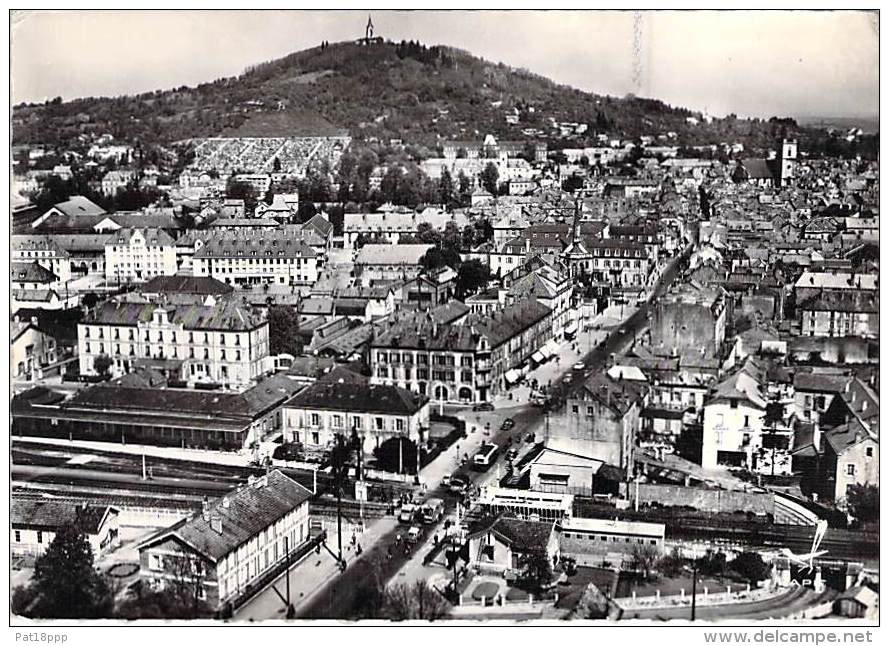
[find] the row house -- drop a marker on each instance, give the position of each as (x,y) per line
(841,314)
(618,263)
(447,363)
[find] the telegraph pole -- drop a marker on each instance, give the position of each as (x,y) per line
(290,610)
(694,588)
(339,499)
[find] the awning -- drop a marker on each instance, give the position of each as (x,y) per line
(512,376)
(550,348)
(538,357)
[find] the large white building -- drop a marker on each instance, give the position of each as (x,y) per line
(733,422)
(235,542)
(253,257)
(388,262)
(137,255)
(214,342)
(377,413)
(390,224)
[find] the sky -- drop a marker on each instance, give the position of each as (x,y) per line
(751,63)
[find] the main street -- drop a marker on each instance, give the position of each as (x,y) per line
(341,597)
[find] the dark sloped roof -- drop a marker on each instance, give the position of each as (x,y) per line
(31,272)
(848,435)
(51,515)
(847,301)
(620,396)
(819,382)
(502,325)
(359,398)
(241,515)
(520,535)
(285,242)
(756,168)
(225,315)
(320,224)
(200,285)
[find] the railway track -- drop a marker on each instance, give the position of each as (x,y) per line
(22,475)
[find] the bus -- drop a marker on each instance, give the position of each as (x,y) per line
(486,456)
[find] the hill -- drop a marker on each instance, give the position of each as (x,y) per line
(390,90)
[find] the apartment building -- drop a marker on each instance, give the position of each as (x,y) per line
(218,342)
(137,255)
(254,257)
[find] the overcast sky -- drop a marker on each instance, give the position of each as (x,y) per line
(751,63)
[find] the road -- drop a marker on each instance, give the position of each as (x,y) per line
(341,597)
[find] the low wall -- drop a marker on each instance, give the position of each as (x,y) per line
(712,500)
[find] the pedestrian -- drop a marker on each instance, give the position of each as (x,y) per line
(435,539)
(358,549)
(398,539)
(389,552)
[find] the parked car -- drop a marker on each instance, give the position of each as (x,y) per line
(580,365)
(413,534)
(507,424)
(483,407)
(530,437)
(512,454)
(446,481)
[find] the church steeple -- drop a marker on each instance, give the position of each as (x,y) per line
(369,30)
(575,233)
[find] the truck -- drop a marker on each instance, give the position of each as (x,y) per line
(432,510)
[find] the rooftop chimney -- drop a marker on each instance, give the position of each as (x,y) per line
(216,524)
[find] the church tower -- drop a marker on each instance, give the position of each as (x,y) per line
(787,160)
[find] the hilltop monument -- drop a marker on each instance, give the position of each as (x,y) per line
(369,38)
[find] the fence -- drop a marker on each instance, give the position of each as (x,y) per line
(711,500)
(502,600)
(704,598)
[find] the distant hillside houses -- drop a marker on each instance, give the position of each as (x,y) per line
(491,148)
